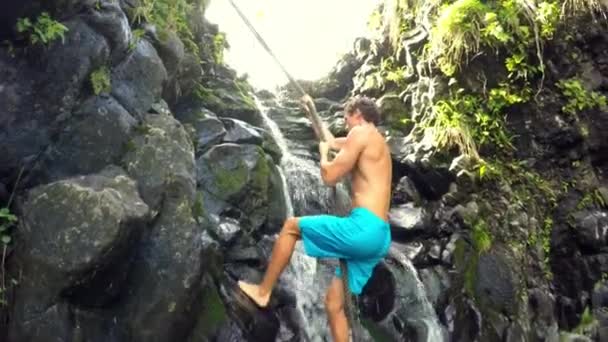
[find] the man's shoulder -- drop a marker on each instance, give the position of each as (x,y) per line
(358,133)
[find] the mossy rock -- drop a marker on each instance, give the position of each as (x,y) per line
(161,156)
(239,175)
(77,233)
(394,112)
(212,316)
(491,279)
(227,99)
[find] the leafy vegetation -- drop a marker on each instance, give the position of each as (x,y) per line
(137,35)
(43,30)
(387,74)
(460,112)
(578,97)
(590,199)
(169,15)
(457,33)
(100,80)
(586,321)
(471,120)
(7,222)
(219,44)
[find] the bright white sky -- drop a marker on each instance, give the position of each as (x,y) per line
(307,36)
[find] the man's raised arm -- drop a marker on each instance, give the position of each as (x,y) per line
(333,171)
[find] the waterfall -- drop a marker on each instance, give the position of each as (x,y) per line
(304,274)
(309,278)
(411,296)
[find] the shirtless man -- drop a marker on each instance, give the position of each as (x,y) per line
(363,237)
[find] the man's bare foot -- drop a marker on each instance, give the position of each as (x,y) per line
(253,291)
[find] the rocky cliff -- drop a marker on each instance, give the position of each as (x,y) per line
(496,115)
(132,159)
(139,178)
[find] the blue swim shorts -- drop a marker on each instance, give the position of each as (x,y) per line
(362,238)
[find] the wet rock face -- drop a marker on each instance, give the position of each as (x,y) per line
(116,238)
(378,298)
(160,154)
(97,136)
(34,102)
(168,274)
(239,175)
(408,221)
(137,82)
(591,229)
(77,237)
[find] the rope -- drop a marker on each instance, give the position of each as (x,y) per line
(309,105)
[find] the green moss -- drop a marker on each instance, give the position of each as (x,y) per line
(100,80)
(228,182)
(213,312)
(198,209)
(482,240)
(470,275)
(143,129)
(220,99)
(208,96)
(129,146)
(466,264)
(261,173)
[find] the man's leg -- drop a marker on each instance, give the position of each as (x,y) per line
(334,305)
(281,253)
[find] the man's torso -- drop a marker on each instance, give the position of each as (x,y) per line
(371,176)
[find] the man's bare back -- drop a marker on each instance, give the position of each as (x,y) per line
(371,176)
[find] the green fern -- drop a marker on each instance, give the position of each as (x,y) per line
(43,31)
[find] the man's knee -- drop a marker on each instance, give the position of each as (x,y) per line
(291,227)
(334,303)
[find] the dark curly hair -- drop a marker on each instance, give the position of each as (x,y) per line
(366,106)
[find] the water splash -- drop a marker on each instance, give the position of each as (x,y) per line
(412,306)
(305,187)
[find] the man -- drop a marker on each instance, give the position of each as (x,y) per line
(363,237)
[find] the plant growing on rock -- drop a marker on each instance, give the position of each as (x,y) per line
(578,97)
(43,30)
(100,80)
(137,35)
(219,44)
(456,34)
(169,15)
(7,221)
